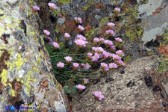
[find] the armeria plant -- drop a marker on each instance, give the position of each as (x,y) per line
(84,57)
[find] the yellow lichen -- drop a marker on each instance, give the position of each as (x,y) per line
(12,92)
(4,77)
(27,82)
(19,62)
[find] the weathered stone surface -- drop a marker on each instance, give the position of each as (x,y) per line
(25,77)
(154,15)
(120,94)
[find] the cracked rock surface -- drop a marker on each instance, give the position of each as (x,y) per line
(25,77)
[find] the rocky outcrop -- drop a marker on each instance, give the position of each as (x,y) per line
(134,90)
(25,77)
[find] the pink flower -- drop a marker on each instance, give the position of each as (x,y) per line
(117,9)
(68,58)
(56,45)
(46,32)
(98,49)
(60,65)
(75,65)
(113,65)
(80,42)
(104,66)
(87,66)
(95,57)
(105,54)
(80,87)
(110,32)
(81,28)
(79,36)
(120,53)
(113,47)
(116,57)
(118,39)
(66,35)
(52,6)
(36,8)
(89,55)
(98,95)
(110,24)
(101,39)
(120,62)
(95,40)
(108,42)
(78,19)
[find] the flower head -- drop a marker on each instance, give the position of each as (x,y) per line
(120,62)
(105,54)
(60,65)
(101,39)
(46,32)
(110,32)
(36,8)
(113,47)
(80,42)
(108,42)
(120,53)
(117,9)
(104,66)
(75,65)
(86,66)
(79,36)
(118,39)
(96,40)
(56,45)
(98,95)
(113,65)
(81,28)
(116,57)
(110,24)
(98,49)
(66,35)
(78,19)
(52,5)
(89,55)
(80,87)
(68,58)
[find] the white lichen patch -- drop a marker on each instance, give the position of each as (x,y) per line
(150,7)
(151,34)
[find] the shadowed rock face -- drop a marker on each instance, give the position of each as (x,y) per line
(25,77)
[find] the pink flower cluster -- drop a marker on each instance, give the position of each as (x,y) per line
(110,25)
(52,5)
(46,32)
(67,35)
(80,41)
(36,8)
(98,95)
(81,28)
(80,87)
(117,9)
(78,20)
(86,66)
(110,32)
(60,65)
(68,59)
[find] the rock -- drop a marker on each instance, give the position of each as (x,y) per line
(25,66)
(120,98)
(148,81)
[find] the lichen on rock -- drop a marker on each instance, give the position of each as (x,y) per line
(23,65)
